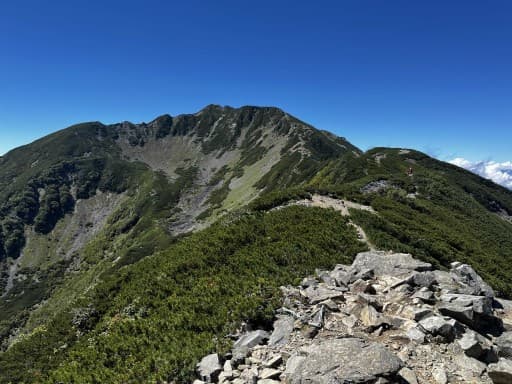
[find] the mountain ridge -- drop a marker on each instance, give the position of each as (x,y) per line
(91,212)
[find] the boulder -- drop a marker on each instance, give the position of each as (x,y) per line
(408,376)
(439,326)
(500,372)
(242,346)
(273,362)
(341,277)
(445,282)
(251,339)
(393,264)
(463,314)
(480,304)
(468,367)
(423,279)
(425,295)
(421,313)
(504,343)
(472,344)
(308,282)
(316,294)
(239,354)
(250,375)
(371,318)
(474,311)
(439,375)
(283,327)
(416,335)
(363,298)
(209,368)
(270,373)
(471,283)
(362,286)
(343,360)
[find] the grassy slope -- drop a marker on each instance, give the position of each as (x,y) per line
(451,218)
(151,320)
(154,319)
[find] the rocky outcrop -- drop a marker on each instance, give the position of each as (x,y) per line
(387,318)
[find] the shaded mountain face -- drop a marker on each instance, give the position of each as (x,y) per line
(105,227)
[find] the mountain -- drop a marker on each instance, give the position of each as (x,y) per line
(128,251)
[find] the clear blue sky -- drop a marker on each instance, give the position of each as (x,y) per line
(433,75)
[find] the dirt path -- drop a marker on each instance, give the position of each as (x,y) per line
(343,207)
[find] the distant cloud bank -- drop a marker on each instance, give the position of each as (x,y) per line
(500,173)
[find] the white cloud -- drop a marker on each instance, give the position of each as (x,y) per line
(500,173)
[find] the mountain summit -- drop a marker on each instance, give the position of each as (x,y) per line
(129,251)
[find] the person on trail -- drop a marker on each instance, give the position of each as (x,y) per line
(409,171)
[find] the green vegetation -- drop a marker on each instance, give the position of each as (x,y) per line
(154,319)
(132,303)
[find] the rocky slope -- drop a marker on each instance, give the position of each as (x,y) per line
(387,318)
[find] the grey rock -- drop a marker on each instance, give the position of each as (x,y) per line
(330,305)
(393,264)
(209,368)
(283,328)
(224,377)
(423,279)
(363,298)
(408,375)
(504,343)
(463,314)
(474,311)
(439,326)
(317,319)
(471,344)
(293,365)
(468,367)
(349,321)
(270,373)
(239,354)
(268,381)
(472,283)
(445,281)
(250,376)
(421,313)
(361,286)
(425,295)
(326,278)
(416,335)
(341,277)
(273,362)
(500,372)
(251,339)
(371,318)
(333,361)
(227,366)
(320,293)
(362,274)
(309,282)
(479,304)
(439,375)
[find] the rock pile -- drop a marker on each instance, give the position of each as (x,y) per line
(387,318)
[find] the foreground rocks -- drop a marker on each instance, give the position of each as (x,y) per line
(387,318)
